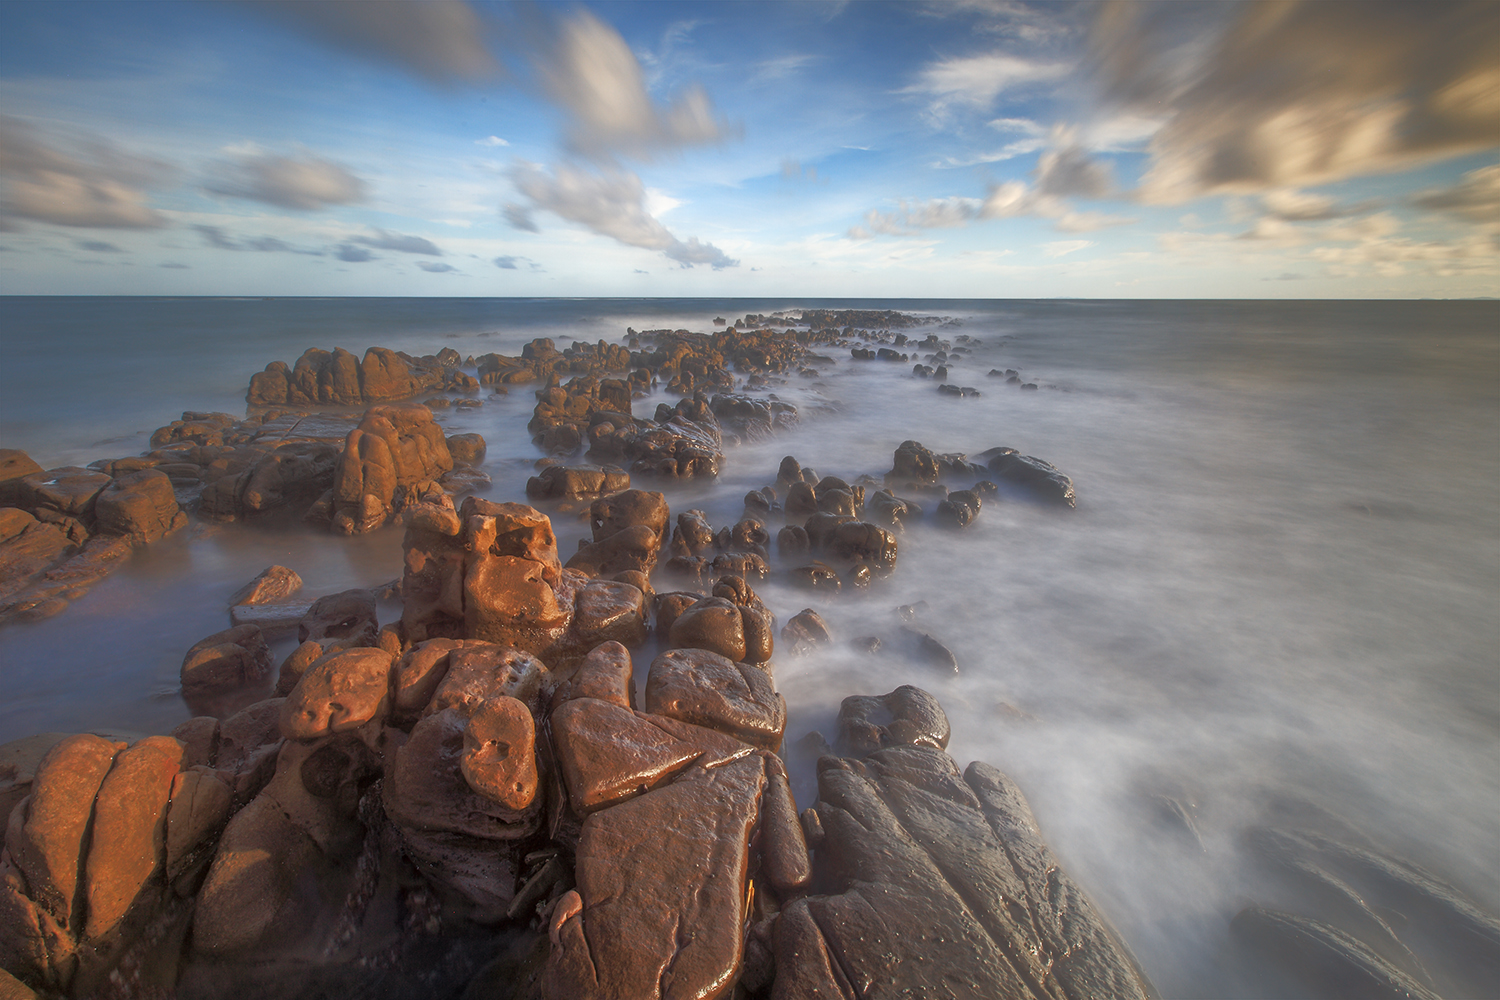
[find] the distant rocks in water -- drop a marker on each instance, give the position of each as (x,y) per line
(338,378)
(274,583)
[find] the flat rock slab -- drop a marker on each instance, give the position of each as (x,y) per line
(941,887)
(659,910)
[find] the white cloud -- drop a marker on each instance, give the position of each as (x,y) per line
(493,140)
(977,80)
(1299,93)
(306,182)
(441,40)
(592,75)
(95,185)
(1059,248)
(611,203)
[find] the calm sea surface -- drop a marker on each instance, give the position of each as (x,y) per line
(1279,595)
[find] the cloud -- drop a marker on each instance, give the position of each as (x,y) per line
(519,217)
(439,40)
(1475,198)
(1297,93)
(301,183)
(1088,222)
(434,267)
(1059,248)
(507,263)
(977,80)
(493,140)
(383,240)
(793,170)
(592,75)
(215,237)
(1070,171)
(354,255)
(97,246)
(174,266)
(611,203)
(94,186)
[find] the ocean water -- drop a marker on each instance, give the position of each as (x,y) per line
(1277,598)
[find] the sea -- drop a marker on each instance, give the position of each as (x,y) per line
(1275,606)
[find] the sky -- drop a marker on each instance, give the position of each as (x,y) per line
(954,149)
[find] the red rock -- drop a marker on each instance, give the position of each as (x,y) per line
(559,482)
(68,490)
(140,506)
(634,548)
(661,917)
(225,660)
(608,754)
(713,624)
(499,757)
(129,832)
(348,616)
(339,692)
(706,689)
(199,737)
(426,790)
(607,611)
(606,673)
(479,672)
(274,583)
(783,846)
(47,844)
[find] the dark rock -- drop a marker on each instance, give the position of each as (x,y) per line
(560,482)
(1042,478)
(907,716)
(805,630)
(227,660)
(347,617)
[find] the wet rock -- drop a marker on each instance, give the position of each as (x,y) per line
(140,506)
(816,576)
(338,692)
(347,617)
(606,673)
(784,857)
(15,465)
(1041,478)
(499,755)
(938,884)
(958,509)
(926,650)
(609,611)
(268,476)
(274,583)
(693,536)
(913,464)
(907,716)
(393,449)
(706,689)
(804,631)
(559,482)
(199,807)
(224,661)
(624,931)
(631,548)
(480,672)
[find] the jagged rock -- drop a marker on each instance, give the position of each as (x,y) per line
(340,379)
(938,884)
(393,449)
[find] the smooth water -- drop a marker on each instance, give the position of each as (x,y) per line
(1280,584)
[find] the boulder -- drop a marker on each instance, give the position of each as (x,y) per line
(68,490)
(907,716)
(347,617)
(225,661)
(140,506)
(466,449)
(804,631)
(339,692)
(393,449)
(608,611)
(1043,479)
(706,689)
(480,672)
(606,673)
(274,583)
(652,916)
(15,465)
(563,482)
(499,755)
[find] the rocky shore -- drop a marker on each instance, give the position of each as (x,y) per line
(551,774)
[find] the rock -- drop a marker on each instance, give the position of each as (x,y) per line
(46,835)
(816,576)
(606,674)
(15,465)
(27,548)
(225,661)
(706,689)
(940,885)
(68,490)
(275,583)
(199,737)
(927,650)
(338,692)
(129,832)
(958,509)
(560,482)
(693,535)
(393,448)
(480,672)
(805,630)
(140,506)
(268,476)
(514,591)
(609,611)
(913,463)
(1041,478)
(907,716)
(199,807)
(499,756)
(656,916)
(347,617)
(784,857)
(466,449)
(418,672)
(632,548)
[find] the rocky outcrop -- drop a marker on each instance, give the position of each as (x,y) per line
(393,453)
(338,378)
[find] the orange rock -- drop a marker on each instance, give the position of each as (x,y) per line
(499,756)
(129,835)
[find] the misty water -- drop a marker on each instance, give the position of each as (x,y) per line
(1275,604)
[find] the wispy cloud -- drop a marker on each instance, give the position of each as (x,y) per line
(591,74)
(1060,248)
(493,140)
(399,242)
(92,184)
(1299,93)
(216,237)
(351,254)
(433,267)
(976,81)
(440,40)
(305,183)
(1476,198)
(611,203)
(97,246)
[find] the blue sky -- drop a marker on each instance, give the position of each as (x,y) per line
(966,148)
